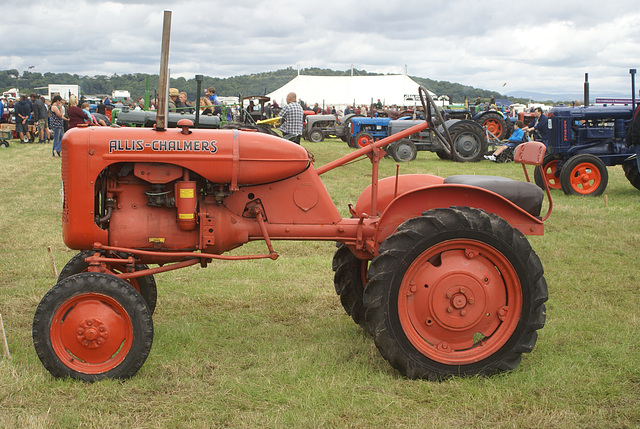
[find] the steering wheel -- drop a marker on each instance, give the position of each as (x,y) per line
(427,105)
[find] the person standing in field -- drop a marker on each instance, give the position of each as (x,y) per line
(292,117)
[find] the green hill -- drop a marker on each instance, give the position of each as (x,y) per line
(252,84)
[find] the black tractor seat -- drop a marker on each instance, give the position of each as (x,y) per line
(528,196)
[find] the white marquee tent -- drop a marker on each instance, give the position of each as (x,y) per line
(340,91)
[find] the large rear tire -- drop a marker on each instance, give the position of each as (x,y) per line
(469,142)
(632,174)
(456,291)
(92,326)
(496,124)
(145,285)
(584,174)
(350,279)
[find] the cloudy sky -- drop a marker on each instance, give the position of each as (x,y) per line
(543,46)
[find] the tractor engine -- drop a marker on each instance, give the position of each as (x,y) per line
(167,190)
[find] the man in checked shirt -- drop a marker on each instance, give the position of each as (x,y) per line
(291,119)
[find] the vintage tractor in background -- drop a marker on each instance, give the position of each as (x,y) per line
(438,271)
(319,127)
(583,141)
(468,140)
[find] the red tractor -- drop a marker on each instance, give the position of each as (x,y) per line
(437,270)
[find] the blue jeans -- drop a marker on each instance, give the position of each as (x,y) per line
(57,139)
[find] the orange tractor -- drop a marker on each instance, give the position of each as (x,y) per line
(437,270)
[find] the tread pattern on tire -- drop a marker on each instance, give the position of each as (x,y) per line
(418,232)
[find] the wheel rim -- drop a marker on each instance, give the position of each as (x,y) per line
(549,174)
(459,302)
(494,126)
(91,333)
(466,146)
(403,151)
(585,178)
(364,141)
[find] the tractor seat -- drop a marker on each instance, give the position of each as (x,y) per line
(528,196)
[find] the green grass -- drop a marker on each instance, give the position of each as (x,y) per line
(267,343)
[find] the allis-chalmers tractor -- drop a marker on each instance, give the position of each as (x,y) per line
(438,271)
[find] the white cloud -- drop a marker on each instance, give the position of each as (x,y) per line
(545,46)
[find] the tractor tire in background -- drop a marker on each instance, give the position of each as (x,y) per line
(363,139)
(469,142)
(584,174)
(92,326)
(403,150)
(496,124)
(550,173)
(632,174)
(145,285)
(456,291)
(316,135)
(350,279)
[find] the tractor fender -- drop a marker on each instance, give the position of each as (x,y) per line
(415,202)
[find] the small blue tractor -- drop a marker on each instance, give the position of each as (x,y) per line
(583,142)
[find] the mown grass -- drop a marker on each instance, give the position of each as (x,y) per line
(267,343)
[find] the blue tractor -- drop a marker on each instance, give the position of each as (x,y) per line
(583,142)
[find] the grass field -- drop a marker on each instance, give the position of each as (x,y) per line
(267,343)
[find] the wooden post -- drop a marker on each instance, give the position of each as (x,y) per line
(5,345)
(53,262)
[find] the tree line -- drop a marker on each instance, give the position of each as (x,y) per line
(245,85)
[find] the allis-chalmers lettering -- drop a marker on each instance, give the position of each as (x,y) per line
(163,145)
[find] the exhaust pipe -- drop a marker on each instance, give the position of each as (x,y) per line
(162,109)
(586,89)
(632,72)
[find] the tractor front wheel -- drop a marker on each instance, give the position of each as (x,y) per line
(316,136)
(145,285)
(456,291)
(363,139)
(92,326)
(584,174)
(404,151)
(550,173)
(350,279)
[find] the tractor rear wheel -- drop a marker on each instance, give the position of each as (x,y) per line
(632,174)
(404,151)
(145,285)
(495,123)
(316,136)
(469,143)
(350,279)
(363,139)
(92,326)
(584,174)
(550,173)
(456,291)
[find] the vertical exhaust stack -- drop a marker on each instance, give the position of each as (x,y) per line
(586,89)
(632,72)
(162,109)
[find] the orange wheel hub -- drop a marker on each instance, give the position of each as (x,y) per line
(91,333)
(459,302)
(585,178)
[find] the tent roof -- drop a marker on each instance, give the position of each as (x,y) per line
(345,90)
